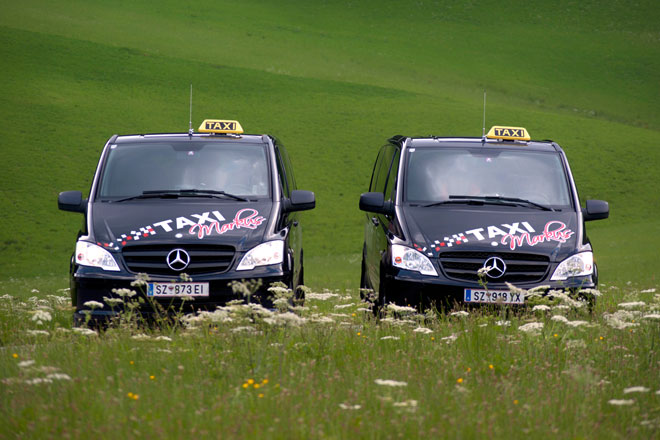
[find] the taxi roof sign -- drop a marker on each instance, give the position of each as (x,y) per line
(508,133)
(221,126)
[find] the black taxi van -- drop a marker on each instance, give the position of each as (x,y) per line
(192,211)
(456,219)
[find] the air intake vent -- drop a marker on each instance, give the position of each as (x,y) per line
(204,258)
(520,268)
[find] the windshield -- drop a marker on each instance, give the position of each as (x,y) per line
(438,174)
(235,168)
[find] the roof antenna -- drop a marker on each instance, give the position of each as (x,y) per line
(190,129)
(483,132)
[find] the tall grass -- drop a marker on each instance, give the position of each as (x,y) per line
(331,370)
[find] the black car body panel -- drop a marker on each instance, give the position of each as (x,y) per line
(483,199)
(187,221)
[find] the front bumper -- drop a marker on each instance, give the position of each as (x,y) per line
(407,287)
(92,284)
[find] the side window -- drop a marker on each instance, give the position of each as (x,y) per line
(391,185)
(379,159)
(281,173)
(382,169)
(288,168)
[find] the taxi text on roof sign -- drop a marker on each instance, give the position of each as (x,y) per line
(508,133)
(220,126)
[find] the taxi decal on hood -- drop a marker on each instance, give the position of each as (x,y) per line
(202,225)
(513,235)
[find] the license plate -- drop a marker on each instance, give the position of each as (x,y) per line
(493,296)
(165,290)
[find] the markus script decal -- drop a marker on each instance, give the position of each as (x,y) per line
(245,218)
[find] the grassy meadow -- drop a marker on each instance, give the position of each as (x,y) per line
(333,80)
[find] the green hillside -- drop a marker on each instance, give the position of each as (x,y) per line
(332,80)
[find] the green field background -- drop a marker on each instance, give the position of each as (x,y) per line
(333,80)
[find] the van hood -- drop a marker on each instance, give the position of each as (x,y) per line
(240,224)
(436,230)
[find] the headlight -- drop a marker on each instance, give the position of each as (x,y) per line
(89,254)
(410,259)
(574,266)
(271,252)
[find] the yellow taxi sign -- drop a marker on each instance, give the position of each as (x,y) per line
(220,126)
(508,133)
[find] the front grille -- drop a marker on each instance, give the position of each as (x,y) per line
(204,258)
(520,268)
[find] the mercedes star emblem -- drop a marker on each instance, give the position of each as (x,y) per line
(178,259)
(496,267)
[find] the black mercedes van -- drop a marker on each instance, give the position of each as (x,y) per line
(192,211)
(456,219)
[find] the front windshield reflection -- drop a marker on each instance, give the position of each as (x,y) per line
(236,169)
(434,174)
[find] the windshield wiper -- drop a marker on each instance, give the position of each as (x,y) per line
(495,200)
(519,201)
(176,193)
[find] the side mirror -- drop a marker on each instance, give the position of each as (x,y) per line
(71,201)
(375,202)
(596,210)
(300,200)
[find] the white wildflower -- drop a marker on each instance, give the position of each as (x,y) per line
(390,383)
(648,291)
(559,318)
(400,309)
(621,402)
(34,291)
(124,292)
(349,407)
(38,381)
(459,313)
(113,301)
(484,271)
(394,338)
(322,319)
(652,316)
(285,319)
(163,338)
(84,331)
(541,308)
(532,327)
(636,390)
(503,323)
(140,280)
(58,376)
(246,329)
(449,339)
(25,364)
(406,404)
(576,323)
(40,316)
(321,296)
(632,305)
(93,305)
(344,306)
(561,307)
(37,332)
(423,330)
(575,344)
